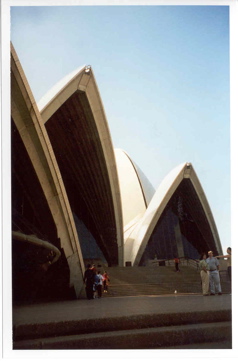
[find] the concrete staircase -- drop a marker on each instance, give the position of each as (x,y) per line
(135,281)
(158,319)
(127,323)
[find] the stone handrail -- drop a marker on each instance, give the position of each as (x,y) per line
(37,241)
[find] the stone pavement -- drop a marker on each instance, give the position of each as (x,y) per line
(67,318)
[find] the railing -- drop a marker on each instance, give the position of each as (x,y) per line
(38,242)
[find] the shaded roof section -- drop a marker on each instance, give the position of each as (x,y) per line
(182,176)
(136,191)
(30,210)
(76,124)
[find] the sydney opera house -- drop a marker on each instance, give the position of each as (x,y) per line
(76,199)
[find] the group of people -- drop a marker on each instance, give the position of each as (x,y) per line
(95,282)
(209,271)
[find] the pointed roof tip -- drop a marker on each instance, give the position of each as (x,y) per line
(185,164)
(182,167)
(62,84)
(173,179)
(87,69)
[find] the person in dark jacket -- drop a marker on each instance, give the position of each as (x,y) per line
(89,281)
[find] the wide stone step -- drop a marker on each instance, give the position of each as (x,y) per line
(107,324)
(157,337)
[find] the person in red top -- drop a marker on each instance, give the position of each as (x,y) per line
(105,282)
(176,261)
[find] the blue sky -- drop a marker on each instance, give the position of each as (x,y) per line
(163,75)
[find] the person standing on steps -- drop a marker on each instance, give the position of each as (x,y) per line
(228,256)
(89,280)
(105,282)
(176,262)
(99,284)
(95,283)
(204,273)
(214,277)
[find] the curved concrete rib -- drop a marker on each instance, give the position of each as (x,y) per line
(139,237)
(28,121)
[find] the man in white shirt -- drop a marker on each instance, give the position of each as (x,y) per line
(214,277)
